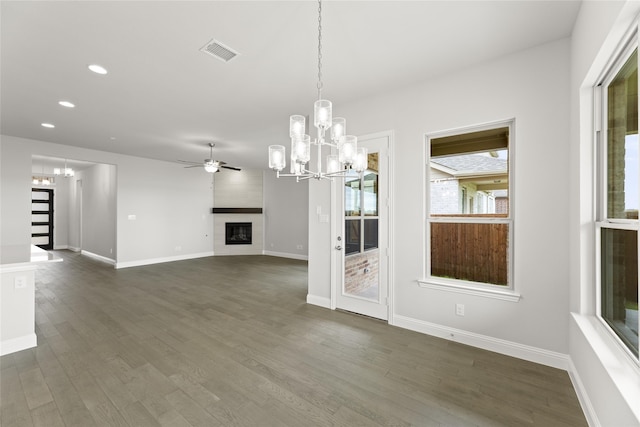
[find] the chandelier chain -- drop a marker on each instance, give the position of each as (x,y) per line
(320,84)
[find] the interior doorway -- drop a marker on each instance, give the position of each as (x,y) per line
(84,213)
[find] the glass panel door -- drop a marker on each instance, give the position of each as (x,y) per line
(362,260)
(362,255)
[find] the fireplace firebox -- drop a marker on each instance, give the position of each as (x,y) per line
(237,233)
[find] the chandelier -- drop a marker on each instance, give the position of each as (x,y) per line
(331,132)
(68,172)
(41,180)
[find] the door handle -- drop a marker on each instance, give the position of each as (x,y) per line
(339,248)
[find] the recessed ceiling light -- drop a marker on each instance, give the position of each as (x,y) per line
(67,104)
(47,125)
(98,69)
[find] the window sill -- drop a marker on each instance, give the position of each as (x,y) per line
(610,355)
(506,295)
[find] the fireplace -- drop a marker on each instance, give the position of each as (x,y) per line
(237,233)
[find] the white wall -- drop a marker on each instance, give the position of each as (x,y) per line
(17,310)
(533,87)
(99,210)
(61,214)
(171,204)
(286,214)
(608,382)
(75,212)
(15,192)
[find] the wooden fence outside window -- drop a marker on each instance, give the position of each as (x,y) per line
(476,252)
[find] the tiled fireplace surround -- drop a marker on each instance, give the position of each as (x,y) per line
(233,189)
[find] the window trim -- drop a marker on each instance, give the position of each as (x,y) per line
(507,293)
(601,220)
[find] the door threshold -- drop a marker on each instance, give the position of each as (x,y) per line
(342,310)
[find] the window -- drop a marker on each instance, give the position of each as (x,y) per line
(469,220)
(618,189)
(361,209)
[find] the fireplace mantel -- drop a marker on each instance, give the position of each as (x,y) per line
(236,210)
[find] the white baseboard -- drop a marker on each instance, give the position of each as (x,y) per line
(319,301)
(583,396)
(74,249)
(509,348)
(286,255)
(18,344)
(161,260)
(60,247)
(99,257)
(221,253)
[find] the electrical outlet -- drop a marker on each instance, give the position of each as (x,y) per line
(299,247)
(460,309)
(20,282)
(178,248)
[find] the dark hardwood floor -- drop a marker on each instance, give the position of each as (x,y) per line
(226,341)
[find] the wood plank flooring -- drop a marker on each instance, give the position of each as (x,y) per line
(230,341)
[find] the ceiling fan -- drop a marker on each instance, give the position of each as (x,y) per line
(210,165)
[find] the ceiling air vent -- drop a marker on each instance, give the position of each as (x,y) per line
(218,50)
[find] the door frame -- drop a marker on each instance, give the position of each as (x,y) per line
(337,217)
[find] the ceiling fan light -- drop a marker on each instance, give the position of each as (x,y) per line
(211,166)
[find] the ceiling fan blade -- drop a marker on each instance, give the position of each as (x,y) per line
(231,167)
(189,162)
(193,166)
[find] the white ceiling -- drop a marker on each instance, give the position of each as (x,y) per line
(164,99)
